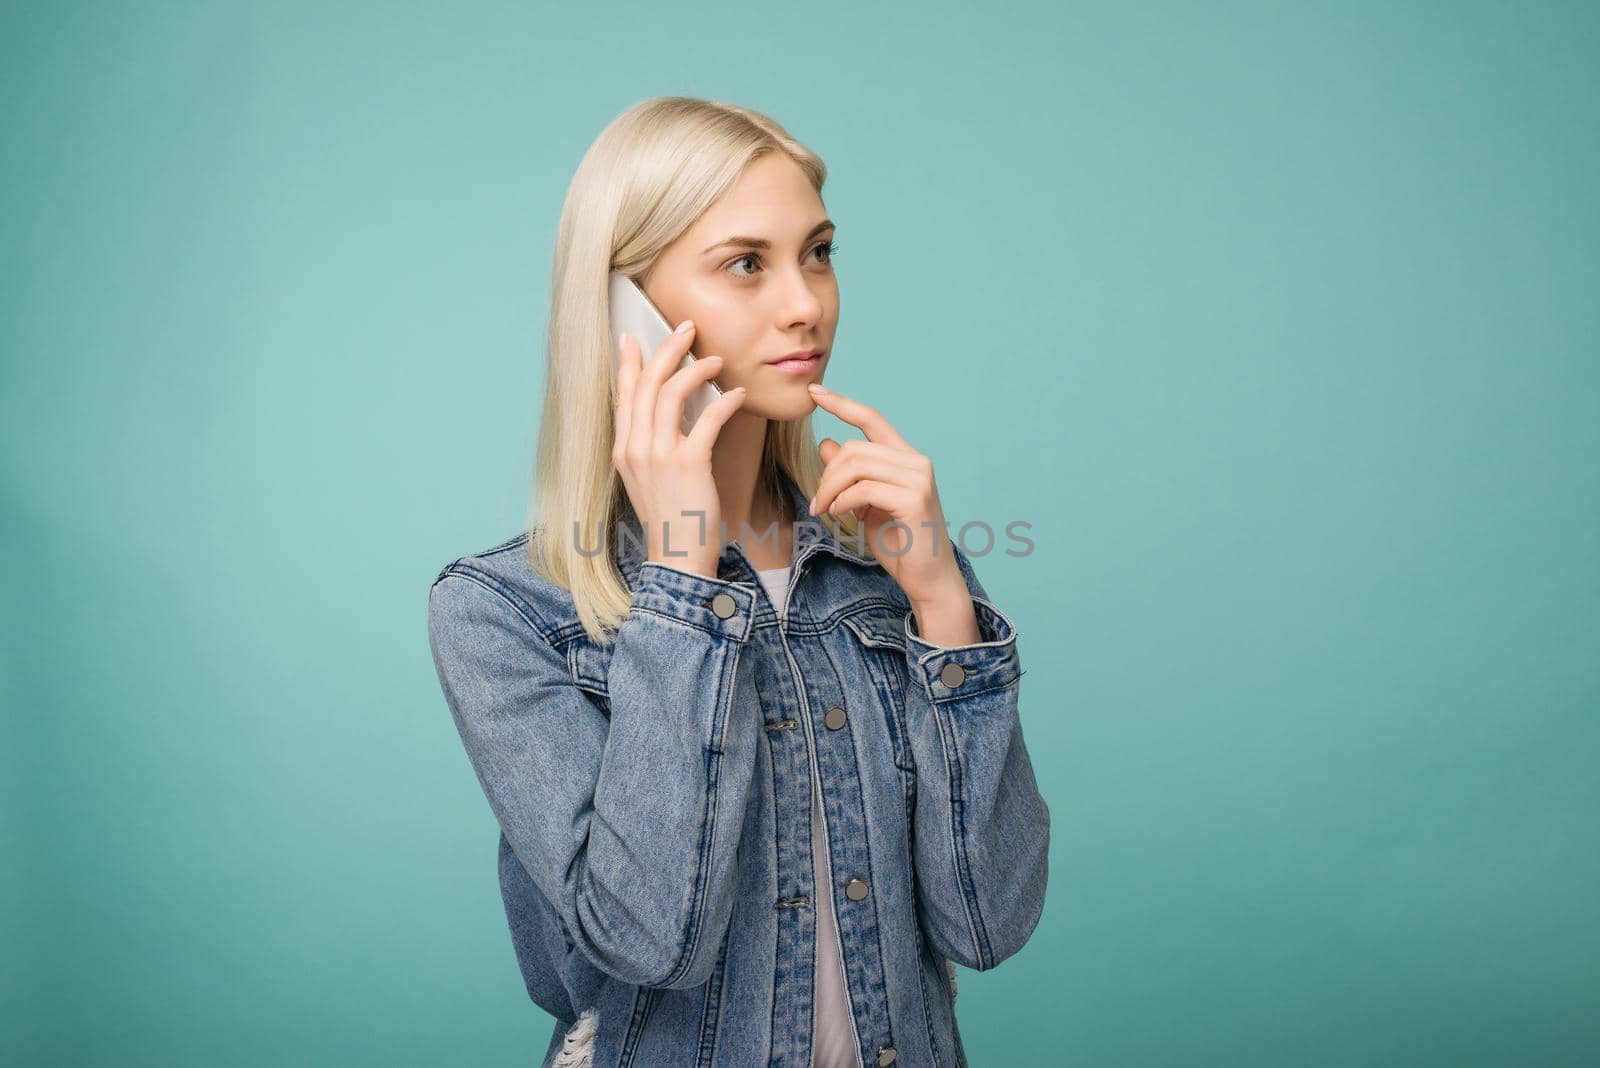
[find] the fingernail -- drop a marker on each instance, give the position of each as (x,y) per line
(622,340)
(684,326)
(817,387)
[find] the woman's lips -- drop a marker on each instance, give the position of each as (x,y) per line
(798,367)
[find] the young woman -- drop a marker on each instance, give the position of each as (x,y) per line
(743,711)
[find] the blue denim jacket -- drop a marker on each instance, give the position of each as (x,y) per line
(653,795)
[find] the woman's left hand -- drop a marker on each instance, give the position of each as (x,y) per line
(886,482)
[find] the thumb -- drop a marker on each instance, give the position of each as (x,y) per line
(827,447)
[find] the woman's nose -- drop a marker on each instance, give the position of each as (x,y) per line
(801,305)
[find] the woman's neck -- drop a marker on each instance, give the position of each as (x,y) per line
(760,524)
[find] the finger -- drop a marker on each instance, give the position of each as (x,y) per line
(904,457)
(851,467)
(675,392)
(855,459)
(869,493)
(669,354)
(656,370)
(867,419)
(706,428)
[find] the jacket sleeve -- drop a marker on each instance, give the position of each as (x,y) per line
(982,829)
(629,826)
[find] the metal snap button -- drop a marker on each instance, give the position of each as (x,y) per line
(855,889)
(886,1055)
(833,718)
(953,675)
(724,605)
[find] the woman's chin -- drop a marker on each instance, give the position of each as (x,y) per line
(781,403)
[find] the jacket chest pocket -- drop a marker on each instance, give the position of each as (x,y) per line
(879,639)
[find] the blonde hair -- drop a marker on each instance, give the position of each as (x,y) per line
(644,181)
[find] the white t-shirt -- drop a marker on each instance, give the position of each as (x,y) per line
(833,1038)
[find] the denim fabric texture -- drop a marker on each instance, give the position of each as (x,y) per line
(653,794)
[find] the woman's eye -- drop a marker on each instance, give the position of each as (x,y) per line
(827,248)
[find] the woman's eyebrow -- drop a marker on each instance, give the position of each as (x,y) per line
(761,242)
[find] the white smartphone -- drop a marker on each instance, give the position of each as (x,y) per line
(632,311)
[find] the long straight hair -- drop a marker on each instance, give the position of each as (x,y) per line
(649,175)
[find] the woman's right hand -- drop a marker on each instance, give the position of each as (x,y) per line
(668,474)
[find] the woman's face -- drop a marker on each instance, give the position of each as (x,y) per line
(754,272)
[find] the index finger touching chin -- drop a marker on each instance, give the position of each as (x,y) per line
(867,419)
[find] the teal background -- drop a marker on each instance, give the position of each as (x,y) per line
(1276,321)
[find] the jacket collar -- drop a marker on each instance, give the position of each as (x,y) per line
(811,536)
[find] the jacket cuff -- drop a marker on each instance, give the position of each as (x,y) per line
(714,605)
(950,672)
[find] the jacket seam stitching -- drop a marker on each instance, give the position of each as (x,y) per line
(872,987)
(922,986)
(953,696)
(713,801)
(697,900)
(713,631)
(711,1011)
(968,884)
(954,774)
(643,997)
(894,699)
(515,603)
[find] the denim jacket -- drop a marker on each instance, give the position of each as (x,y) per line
(653,794)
